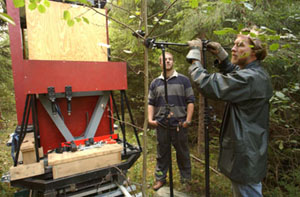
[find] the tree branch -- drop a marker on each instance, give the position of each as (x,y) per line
(199,160)
(133,31)
(165,12)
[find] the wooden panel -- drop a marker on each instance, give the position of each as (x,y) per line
(69,163)
(84,165)
(50,38)
(25,171)
(66,157)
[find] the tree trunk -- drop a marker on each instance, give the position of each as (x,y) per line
(146,85)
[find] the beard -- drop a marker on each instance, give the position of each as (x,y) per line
(241,60)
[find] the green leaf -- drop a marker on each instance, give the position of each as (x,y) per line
(220,32)
(248,6)
(78,19)
(86,20)
(71,22)
(231,20)
(7,18)
(85,2)
(226,30)
(286,46)
(166,20)
(41,8)
(226,1)
(274,46)
(280,95)
(193,3)
(281,145)
(252,35)
(19,3)
(32,6)
(47,3)
(274,37)
(67,15)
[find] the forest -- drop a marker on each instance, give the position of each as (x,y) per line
(178,21)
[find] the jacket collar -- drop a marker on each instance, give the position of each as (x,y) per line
(175,74)
(254,64)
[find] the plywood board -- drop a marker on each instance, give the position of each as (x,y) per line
(28,170)
(84,165)
(50,38)
(67,157)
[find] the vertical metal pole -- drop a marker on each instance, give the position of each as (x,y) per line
(123,121)
(206,134)
(168,119)
(35,127)
(23,126)
(132,121)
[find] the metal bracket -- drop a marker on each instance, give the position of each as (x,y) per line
(56,119)
(93,124)
(51,96)
(97,115)
(68,93)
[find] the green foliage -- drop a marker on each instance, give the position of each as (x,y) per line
(6,81)
(19,3)
(220,21)
(7,18)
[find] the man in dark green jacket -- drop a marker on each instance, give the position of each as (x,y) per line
(246,87)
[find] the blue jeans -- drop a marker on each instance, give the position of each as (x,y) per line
(249,190)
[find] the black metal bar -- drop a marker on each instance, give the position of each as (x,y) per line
(116,110)
(21,137)
(35,127)
(206,134)
(132,121)
(123,120)
(168,119)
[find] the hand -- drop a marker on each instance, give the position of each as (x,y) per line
(216,49)
(186,124)
(195,44)
(153,123)
(195,51)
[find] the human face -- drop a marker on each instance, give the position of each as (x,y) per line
(168,60)
(241,52)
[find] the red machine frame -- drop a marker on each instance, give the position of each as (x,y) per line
(35,76)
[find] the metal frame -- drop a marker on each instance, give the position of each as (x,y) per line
(93,123)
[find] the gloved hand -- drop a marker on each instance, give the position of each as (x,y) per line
(195,50)
(195,44)
(216,49)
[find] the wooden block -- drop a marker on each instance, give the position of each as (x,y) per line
(50,38)
(28,149)
(26,170)
(28,143)
(30,157)
(69,163)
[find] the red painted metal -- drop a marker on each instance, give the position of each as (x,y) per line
(35,76)
(82,76)
(106,138)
